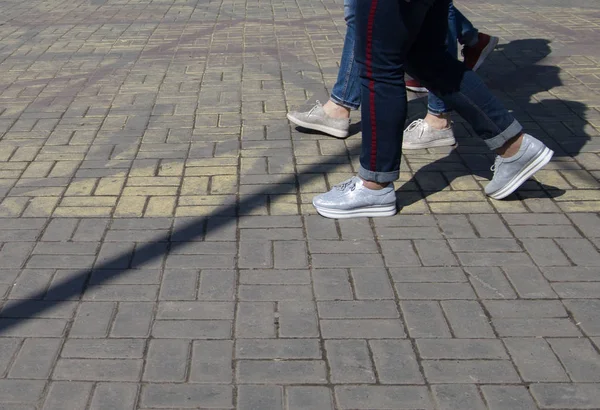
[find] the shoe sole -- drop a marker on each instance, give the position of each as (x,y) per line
(486,52)
(435,143)
(417,89)
(534,166)
(318,127)
(369,211)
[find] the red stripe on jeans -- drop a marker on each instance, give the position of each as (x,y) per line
(369,66)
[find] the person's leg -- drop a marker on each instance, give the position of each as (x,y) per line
(519,155)
(346,90)
(385,32)
(477,46)
(435,130)
(465,32)
(333,117)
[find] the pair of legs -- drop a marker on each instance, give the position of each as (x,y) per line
(398,36)
(332,118)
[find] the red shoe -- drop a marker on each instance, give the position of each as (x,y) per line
(415,86)
(476,55)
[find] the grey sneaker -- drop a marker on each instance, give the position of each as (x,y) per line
(316,119)
(419,135)
(510,173)
(352,199)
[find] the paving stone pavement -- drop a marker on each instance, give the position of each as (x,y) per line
(158,249)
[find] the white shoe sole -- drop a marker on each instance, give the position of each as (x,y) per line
(417,89)
(435,143)
(486,52)
(534,166)
(318,127)
(369,211)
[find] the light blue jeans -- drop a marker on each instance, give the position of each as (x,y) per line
(346,90)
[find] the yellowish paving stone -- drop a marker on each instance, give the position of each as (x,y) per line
(456,196)
(83,212)
(41,207)
(13,206)
(223,184)
(150,191)
(160,206)
(195,186)
(579,206)
(82,187)
(460,207)
(210,171)
(102,201)
(109,186)
(130,206)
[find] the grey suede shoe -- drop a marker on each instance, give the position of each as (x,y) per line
(316,119)
(352,199)
(420,135)
(510,173)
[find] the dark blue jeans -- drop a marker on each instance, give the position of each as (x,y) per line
(460,30)
(393,36)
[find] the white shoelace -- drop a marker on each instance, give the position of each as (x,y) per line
(415,124)
(497,162)
(317,105)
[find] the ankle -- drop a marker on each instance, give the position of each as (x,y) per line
(374,185)
(438,121)
(335,110)
(511,147)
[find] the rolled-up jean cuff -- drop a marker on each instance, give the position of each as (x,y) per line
(499,140)
(346,104)
(437,111)
(380,177)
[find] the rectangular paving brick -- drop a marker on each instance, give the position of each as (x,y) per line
(98,369)
(192,329)
(120,396)
(186,396)
(362,329)
(396,362)
(566,395)
(458,396)
(467,319)
(211,361)
(281,372)
(298,319)
(67,394)
(508,398)
(529,282)
(535,360)
(525,308)
(167,360)
(461,349)
(309,397)
(349,361)
(195,310)
(216,284)
(438,291)
(264,397)
(383,397)
(579,358)
(470,371)
(255,320)
(425,319)
(332,284)
(371,283)
(278,349)
(35,359)
(133,319)
(535,327)
(357,309)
